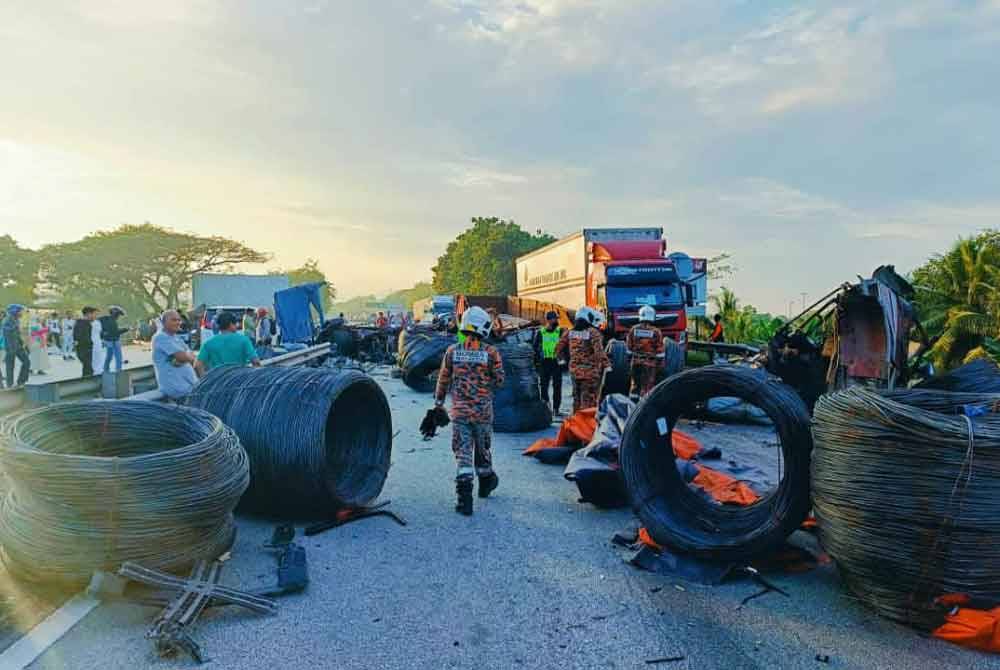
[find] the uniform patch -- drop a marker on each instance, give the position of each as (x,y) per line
(642,332)
(579,334)
(475,357)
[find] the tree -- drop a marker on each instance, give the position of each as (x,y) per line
(18,273)
(142,267)
(308,273)
(480,261)
(744,323)
(957,299)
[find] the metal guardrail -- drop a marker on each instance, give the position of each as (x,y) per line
(111,385)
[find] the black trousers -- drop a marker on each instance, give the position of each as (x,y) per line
(22,376)
(86,358)
(550,372)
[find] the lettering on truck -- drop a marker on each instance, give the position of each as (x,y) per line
(548,278)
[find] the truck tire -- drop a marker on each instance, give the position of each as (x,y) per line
(618,380)
(673,360)
(517,405)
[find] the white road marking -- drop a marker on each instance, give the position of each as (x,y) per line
(34,643)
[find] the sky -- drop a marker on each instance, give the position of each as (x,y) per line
(812,141)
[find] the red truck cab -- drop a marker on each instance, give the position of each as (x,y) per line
(627,275)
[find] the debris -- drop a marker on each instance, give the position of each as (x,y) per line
(822,658)
(347,515)
(665,659)
(170,628)
(293,573)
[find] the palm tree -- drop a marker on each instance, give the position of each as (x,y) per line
(958,301)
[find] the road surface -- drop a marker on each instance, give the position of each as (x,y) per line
(530,581)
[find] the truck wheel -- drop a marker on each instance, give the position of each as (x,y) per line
(673,360)
(617,380)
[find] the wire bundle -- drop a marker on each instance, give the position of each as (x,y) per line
(316,438)
(908,497)
(675,515)
(420,356)
(95,484)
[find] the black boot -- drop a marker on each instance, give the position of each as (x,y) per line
(487,483)
(463,487)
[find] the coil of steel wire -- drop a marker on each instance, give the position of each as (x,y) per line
(95,484)
(906,491)
(317,438)
(676,516)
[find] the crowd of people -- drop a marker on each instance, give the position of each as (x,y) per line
(29,338)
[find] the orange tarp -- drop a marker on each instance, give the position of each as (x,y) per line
(976,629)
(580,429)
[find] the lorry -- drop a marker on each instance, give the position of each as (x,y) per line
(212,294)
(618,271)
(427,309)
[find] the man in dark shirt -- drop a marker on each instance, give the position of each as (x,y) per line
(14,347)
(83,340)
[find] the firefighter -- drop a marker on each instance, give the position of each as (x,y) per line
(587,360)
(545,342)
(471,371)
(645,345)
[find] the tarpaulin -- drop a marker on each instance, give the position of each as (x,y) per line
(968,626)
(575,431)
(292,309)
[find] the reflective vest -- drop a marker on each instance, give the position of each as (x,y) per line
(550,339)
(461,338)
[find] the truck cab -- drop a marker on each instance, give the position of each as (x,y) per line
(628,275)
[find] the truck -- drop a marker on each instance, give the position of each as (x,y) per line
(427,309)
(212,294)
(618,271)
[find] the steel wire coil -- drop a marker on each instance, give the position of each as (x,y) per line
(907,495)
(676,516)
(317,438)
(95,484)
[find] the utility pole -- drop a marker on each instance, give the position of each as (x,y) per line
(791,305)
(804,294)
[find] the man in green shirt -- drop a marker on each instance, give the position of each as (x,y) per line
(229,347)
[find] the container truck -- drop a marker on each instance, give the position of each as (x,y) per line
(618,271)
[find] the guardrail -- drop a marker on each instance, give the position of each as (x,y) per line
(723,348)
(124,384)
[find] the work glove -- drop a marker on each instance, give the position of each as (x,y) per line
(434,419)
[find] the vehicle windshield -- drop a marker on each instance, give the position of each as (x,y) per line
(634,297)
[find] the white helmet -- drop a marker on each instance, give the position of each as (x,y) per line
(647,313)
(475,320)
(590,315)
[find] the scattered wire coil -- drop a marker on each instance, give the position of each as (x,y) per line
(317,438)
(677,517)
(95,484)
(908,497)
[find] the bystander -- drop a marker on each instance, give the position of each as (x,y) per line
(173,361)
(229,347)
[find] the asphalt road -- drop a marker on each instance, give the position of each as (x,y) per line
(530,581)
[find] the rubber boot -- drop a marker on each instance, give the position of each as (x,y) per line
(463,488)
(487,483)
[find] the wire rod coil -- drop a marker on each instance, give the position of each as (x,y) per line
(316,438)
(94,484)
(907,495)
(677,517)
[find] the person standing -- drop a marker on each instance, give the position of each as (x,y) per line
(15,349)
(250,324)
(264,332)
(381,322)
(83,339)
(229,347)
(38,348)
(644,343)
(588,362)
(471,372)
(545,342)
(718,333)
(111,335)
(67,326)
(173,361)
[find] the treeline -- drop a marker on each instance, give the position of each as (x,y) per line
(144,268)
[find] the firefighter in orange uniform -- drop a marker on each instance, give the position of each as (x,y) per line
(587,360)
(645,345)
(471,370)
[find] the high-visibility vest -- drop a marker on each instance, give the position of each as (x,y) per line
(461,338)
(550,339)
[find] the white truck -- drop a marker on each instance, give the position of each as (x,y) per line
(234,293)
